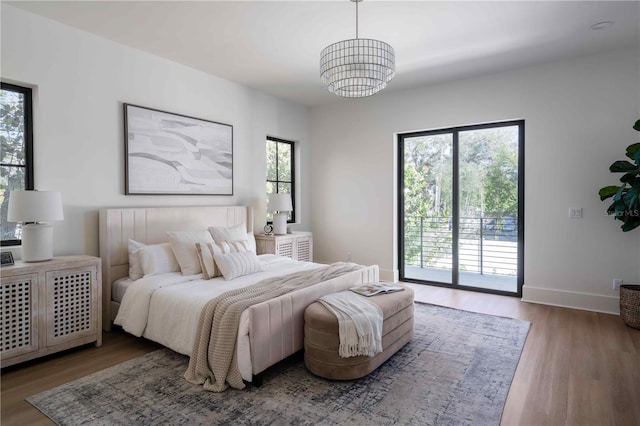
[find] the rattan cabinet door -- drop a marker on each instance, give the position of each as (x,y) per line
(286,247)
(19,316)
(71,310)
(304,246)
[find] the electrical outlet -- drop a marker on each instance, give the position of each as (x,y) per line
(575,212)
(617,282)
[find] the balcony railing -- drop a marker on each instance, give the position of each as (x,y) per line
(487,245)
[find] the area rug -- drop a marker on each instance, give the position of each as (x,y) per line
(456,371)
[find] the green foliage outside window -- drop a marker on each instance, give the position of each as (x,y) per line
(488,174)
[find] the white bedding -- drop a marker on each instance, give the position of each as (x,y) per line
(119,287)
(166,308)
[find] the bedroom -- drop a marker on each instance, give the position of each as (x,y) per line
(578,110)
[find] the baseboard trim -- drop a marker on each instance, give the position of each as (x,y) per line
(572,299)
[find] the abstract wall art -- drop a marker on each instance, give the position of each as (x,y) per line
(171,154)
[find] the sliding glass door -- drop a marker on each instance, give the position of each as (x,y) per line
(461,207)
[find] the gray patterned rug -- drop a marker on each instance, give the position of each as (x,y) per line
(457,370)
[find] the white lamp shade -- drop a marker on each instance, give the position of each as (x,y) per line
(35,206)
(280,202)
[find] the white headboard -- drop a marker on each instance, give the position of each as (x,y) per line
(150,226)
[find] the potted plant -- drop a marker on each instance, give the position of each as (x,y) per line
(626,208)
(626,197)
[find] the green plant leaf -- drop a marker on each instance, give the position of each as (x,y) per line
(607,191)
(637,125)
(629,226)
(619,209)
(628,178)
(633,152)
(618,194)
(632,200)
(623,166)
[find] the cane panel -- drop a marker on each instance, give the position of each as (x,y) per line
(18,319)
(70,309)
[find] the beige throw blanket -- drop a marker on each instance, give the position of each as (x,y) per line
(359,323)
(213,360)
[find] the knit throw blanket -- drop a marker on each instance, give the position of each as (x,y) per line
(213,361)
(359,323)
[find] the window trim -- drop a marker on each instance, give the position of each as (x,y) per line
(28,142)
(293,174)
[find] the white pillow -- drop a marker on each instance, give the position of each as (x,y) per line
(135,268)
(222,233)
(234,233)
(234,265)
(158,259)
(183,244)
(252,241)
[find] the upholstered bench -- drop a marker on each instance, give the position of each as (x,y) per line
(321,339)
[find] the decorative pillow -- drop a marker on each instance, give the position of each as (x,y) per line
(234,265)
(239,246)
(234,233)
(183,245)
(135,268)
(207,251)
(205,256)
(158,259)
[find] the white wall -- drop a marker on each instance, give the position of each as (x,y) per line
(578,117)
(80,82)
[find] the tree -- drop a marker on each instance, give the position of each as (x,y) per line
(501,184)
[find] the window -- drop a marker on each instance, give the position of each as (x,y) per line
(281,172)
(460,204)
(16,167)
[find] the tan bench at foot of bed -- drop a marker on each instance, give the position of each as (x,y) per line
(321,339)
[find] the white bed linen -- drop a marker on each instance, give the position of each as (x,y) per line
(119,288)
(166,308)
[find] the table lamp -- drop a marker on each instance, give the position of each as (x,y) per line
(33,208)
(281,205)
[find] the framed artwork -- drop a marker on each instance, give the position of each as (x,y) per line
(173,154)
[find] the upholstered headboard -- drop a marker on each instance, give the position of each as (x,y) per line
(150,226)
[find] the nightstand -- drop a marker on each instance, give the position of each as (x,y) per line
(49,307)
(297,245)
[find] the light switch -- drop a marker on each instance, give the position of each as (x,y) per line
(575,212)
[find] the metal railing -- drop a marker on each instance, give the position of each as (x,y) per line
(487,245)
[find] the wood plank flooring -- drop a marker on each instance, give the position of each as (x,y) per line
(577,367)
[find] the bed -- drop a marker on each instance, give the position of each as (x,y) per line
(269,331)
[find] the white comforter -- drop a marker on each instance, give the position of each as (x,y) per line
(166,308)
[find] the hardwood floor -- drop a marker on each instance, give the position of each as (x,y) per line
(577,367)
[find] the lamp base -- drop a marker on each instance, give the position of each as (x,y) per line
(37,242)
(280,223)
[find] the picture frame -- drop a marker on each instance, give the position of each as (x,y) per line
(6,258)
(174,154)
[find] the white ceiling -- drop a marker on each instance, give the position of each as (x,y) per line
(274,46)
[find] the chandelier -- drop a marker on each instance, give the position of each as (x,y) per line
(357,68)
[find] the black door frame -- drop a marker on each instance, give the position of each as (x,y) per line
(455,204)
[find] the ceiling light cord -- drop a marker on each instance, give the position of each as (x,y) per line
(357,18)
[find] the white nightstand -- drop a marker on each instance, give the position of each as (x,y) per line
(297,245)
(49,306)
